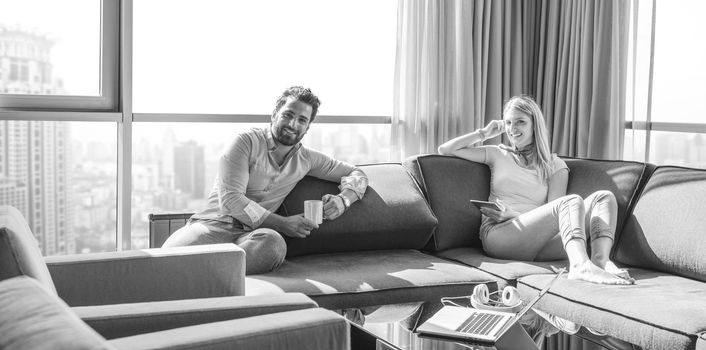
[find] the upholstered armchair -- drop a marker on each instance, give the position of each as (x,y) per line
(33,317)
(185,297)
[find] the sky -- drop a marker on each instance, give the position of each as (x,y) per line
(680,46)
(75,53)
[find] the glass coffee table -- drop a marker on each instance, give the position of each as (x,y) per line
(393,327)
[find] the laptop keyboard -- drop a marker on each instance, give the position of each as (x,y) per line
(479,323)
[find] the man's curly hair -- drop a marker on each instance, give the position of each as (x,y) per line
(302,94)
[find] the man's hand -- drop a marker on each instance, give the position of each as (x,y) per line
(333,206)
(297,226)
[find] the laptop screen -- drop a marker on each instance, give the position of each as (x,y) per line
(539,296)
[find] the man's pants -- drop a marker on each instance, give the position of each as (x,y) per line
(265,248)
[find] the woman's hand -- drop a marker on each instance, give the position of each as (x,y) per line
(494,128)
(462,146)
(505,213)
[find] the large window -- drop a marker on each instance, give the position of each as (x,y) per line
(668,126)
(86,171)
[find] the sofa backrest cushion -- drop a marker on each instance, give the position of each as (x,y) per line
(393,214)
(449,183)
(624,178)
(666,229)
(19,250)
(31,317)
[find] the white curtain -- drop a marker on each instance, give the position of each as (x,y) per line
(451,75)
(459,60)
(582,73)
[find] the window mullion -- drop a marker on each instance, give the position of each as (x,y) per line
(124,205)
(648,131)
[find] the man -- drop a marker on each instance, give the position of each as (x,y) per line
(255,173)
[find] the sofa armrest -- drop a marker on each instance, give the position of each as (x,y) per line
(302,329)
(149,275)
(122,320)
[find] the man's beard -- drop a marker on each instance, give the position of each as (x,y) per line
(286,138)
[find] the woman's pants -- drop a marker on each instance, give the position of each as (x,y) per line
(542,233)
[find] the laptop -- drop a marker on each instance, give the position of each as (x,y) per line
(486,326)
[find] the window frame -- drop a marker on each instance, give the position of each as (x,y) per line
(108,74)
(648,125)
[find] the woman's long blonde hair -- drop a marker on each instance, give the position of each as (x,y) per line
(542,159)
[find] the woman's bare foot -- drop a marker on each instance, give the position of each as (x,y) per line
(622,273)
(610,267)
(589,272)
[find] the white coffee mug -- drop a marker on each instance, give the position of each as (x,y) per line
(314,211)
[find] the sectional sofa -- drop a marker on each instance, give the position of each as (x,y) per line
(414,238)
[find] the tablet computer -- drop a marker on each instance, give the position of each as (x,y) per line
(485,204)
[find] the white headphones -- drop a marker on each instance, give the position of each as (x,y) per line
(509,297)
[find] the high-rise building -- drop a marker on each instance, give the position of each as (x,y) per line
(166,164)
(35,155)
(14,194)
(189,167)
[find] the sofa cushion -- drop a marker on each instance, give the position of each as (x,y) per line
(666,229)
(449,182)
(19,250)
(625,179)
(509,270)
(369,278)
(392,215)
(31,317)
(661,311)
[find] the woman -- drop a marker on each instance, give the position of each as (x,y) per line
(538,220)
